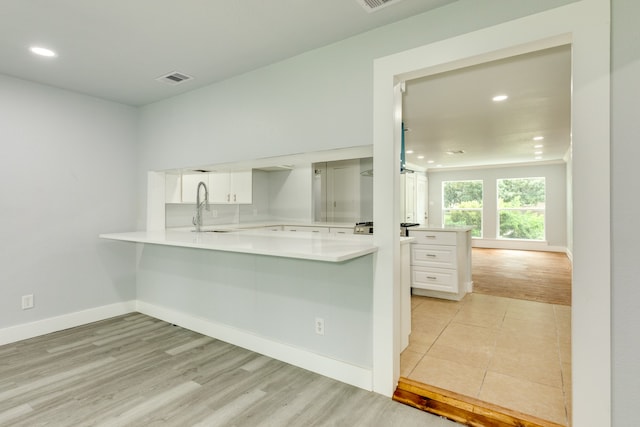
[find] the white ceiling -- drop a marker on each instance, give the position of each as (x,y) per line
(454,111)
(115,49)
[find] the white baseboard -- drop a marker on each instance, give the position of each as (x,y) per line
(338,370)
(65,321)
(516,244)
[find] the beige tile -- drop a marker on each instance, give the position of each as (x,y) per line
(529,328)
(437,308)
(420,342)
(527,343)
(478,357)
(449,375)
(416,300)
(460,335)
(538,367)
(498,303)
(428,324)
(471,316)
(524,396)
(408,361)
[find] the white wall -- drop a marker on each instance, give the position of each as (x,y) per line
(316,101)
(67,173)
(556,199)
(269,297)
(290,196)
(625,211)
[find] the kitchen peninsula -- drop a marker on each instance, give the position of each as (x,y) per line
(330,247)
(266,291)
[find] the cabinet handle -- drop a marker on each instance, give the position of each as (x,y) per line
(228,197)
(430,237)
(432,278)
(431,255)
(234,197)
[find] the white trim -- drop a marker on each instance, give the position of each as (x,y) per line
(525,245)
(338,370)
(586,25)
(65,321)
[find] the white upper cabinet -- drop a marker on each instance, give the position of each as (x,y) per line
(234,187)
(190,187)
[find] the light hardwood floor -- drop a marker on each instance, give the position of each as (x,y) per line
(138,371)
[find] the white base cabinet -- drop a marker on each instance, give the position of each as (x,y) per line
(441,262)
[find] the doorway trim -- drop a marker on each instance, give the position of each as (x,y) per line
(586,26)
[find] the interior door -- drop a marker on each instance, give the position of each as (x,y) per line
(343,191)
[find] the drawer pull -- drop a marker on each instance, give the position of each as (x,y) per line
(430,237)
(431,255)
(432,278)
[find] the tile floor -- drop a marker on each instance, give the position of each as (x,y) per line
(509,352)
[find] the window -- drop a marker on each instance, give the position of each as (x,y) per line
(521,208)
(462,205)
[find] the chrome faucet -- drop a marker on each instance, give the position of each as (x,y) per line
(197,220)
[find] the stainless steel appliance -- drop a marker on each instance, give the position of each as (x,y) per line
(404,227)
(363,227)
(367,227)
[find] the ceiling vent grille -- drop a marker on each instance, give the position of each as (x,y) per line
(174,78)
(374,5)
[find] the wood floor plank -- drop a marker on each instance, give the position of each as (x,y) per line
(146,372)
(529,275)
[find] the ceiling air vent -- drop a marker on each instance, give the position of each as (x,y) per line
(374,5)
(174,78)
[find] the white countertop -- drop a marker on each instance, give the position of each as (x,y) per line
(439,228)
(301,245)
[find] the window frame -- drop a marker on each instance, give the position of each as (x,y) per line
(479,209)
(523,209)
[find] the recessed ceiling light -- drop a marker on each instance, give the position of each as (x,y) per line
(421,157)
(538,138)
(409,152)
(538,152)
(538,157)
(538,146)
(43,51)
(429,161)
(499,98)
(438,166)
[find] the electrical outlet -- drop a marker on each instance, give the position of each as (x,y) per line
(27,301)
(319,326)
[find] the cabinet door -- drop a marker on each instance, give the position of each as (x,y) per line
(219,188)
(190,187)
(410,198)
(422,213)
(241,187)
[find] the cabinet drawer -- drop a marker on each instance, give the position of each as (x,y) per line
(434,237)
(341,230)
(434,279)
(307,229)
(433,256)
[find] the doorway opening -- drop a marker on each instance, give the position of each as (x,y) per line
(585,26)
